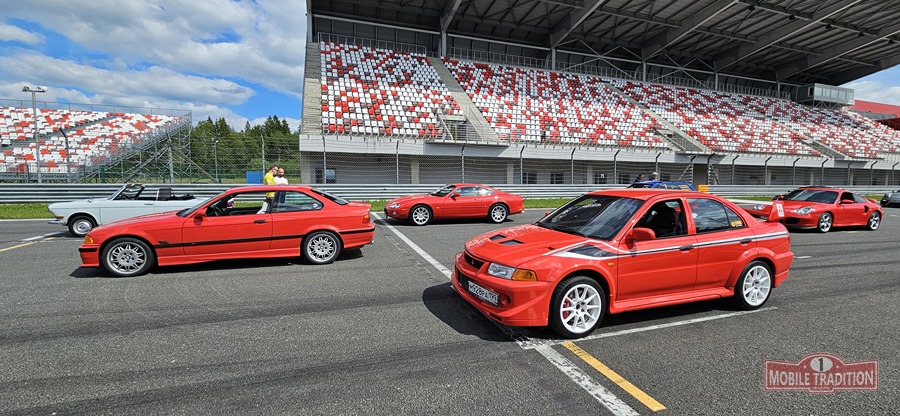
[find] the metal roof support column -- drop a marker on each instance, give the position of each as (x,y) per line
(644,70)
(443,44)
(872,173)
(794,171)
(732,168)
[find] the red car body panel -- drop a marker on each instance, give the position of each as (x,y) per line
(844,214)
(444,207)
(635,275)
(195,239)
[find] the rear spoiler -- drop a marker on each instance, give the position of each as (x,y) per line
(776,213)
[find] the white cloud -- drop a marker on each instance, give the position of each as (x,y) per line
(876,91)
(10,33)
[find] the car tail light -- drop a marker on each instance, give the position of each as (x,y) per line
(367,219)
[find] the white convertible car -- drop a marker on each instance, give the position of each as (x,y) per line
(129,201)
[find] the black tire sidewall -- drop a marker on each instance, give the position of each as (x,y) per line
(150,257)
(555,321)
(338,245)
(77,218)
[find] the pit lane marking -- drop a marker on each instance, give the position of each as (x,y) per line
(56,234)
(414,246)
(30,242)
(613,376)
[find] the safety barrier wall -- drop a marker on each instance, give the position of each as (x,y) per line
(26,193)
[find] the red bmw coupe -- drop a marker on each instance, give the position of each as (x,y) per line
(456,200)
(823,208)
(622,250)
(244,222)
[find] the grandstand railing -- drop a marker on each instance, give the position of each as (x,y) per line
(26,104)
(372,43)
(497,58)
(601,72)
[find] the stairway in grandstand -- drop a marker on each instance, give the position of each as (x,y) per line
(822,148)
(311,123)
(683,140)
(475,119)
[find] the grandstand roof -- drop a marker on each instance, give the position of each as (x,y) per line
(795,41)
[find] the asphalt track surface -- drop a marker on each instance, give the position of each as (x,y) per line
(380,331)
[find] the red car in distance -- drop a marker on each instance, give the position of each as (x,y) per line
(456,200)
(244,222)
(622,250)
(823,208)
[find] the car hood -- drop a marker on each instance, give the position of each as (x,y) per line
(78,203)
(135,221)
(518,245)
(409,198)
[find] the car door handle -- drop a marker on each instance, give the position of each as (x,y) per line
(686,248)
(260,221)
(746,241)
(148,203)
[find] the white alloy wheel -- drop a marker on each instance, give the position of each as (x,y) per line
(126,257)
(874,221)
(420,215)
(757,285)
(321,247)
(825,222)
(499,213)
(581,308)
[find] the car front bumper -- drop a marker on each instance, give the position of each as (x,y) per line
(90,255)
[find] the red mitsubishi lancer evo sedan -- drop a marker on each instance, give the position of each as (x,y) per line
(622,250)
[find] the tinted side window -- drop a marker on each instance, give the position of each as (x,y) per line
(485,192)
(710,215)
(468,191)
(858,199)
(295,201)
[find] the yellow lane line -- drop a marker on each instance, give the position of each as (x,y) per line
(615,377)
(25,244)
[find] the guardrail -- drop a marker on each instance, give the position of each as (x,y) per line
(27,193)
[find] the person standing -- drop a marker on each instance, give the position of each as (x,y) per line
(269,179)
(279,177)
(640,178)
(654,176)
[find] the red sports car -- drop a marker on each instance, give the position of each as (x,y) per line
(823,208)
(456,200)
(245,222)
(620,250)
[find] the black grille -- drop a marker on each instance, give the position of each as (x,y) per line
(791,221)
(473,261)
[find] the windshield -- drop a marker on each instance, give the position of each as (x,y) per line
(337,200)
(188,211)
(599,217)
(444,191)
(811,195)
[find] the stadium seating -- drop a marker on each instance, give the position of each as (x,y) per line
(89,144)
(848,133)
(17,124)
(532,105)
(716,120)
(381,92)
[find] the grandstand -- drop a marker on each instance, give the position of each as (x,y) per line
(76,144)
(596,91)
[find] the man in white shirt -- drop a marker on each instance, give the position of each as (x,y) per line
(279,178)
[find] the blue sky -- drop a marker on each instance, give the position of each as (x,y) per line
(237,59)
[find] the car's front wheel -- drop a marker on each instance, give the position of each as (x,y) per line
(81,225)
(321,247)
(754,286)
(577,307)
(825,223)
(874,221)
(420,215)
(125,257)
(498,213)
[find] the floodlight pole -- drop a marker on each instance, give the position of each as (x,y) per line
(37,146)
(216,158)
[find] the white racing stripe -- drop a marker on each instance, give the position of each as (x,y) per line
(56,234)
(586,382)
(414,246)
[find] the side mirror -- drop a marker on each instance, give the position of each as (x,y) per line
(847,201)
(454,195)
(199,214)
(546,213)
(778,197)
(642,234)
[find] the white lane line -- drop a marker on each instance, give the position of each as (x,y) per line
(535,344)
(586,382)
(414,246)
(803,257)
(27,219)
(56,234)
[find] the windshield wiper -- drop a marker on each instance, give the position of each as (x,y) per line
(566,229)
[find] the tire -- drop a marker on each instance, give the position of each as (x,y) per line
(498,213)
(826,221)
(81,225)
(577,307)
(753,288)
(126,257)
(321,247)
(420,215)
(874,221)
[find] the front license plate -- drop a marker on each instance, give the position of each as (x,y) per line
(482,293)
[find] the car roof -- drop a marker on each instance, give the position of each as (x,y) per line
(824,188)
(648,193)
(269,188)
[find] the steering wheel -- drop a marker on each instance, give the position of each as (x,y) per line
(214,211)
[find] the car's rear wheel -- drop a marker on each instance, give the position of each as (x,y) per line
(81,225)
(874,221)
(754,286)
(420,215)
(321,247)
(498,213)
(825,222)
(125,257)
(577,307)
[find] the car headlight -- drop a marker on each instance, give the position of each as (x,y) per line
(511,273)
(804,210)
(394,205)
